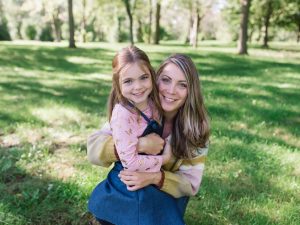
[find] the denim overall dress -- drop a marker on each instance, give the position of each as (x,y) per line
(112,202)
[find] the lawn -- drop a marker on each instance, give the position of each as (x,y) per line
(52,98)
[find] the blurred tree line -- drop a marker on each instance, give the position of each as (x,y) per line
(150,21)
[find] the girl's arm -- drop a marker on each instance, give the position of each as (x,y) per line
(125,132)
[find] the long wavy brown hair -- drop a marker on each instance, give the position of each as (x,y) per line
(191,124)
(128,56)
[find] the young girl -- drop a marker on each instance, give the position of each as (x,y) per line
(134,110)
(133,102)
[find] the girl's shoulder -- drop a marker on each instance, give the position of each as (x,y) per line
(121,111)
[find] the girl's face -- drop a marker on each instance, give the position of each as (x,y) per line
(135,84)
(172,85)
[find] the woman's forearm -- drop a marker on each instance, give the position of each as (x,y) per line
(100,148)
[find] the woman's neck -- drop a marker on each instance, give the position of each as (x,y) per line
(169,116)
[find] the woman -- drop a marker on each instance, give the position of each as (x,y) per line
(186,120)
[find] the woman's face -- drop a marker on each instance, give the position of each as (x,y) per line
(172,85)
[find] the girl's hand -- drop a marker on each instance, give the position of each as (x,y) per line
(138,180)
(152,144)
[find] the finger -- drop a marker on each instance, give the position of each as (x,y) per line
(127,173)
(128,178)
(132,188)
(128,183)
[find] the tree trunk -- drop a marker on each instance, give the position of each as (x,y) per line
(19,27)
(127,5)
(83,25)
(139,35)
(267,23)
(157,27)
(242,44)
(194,37)
(190,27)
(259,26)
(298,37)
(57,24)
(71,25)
(150,22)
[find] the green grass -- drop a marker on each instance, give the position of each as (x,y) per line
(52,98)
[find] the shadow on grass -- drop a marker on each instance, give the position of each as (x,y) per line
(56,59)
(35,199)
(239,194)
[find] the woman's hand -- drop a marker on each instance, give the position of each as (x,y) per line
(138,180)
(152,144)
(167,153)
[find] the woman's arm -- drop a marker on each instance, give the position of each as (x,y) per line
(100,147)
(101,150)
(185,181)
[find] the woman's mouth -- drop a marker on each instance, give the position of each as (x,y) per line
(169,100)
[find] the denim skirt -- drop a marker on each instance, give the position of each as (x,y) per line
(112,202)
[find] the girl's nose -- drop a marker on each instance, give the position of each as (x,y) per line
(137,85)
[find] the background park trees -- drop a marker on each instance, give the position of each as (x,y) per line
(151,21)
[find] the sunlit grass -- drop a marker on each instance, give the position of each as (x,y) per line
(52,98)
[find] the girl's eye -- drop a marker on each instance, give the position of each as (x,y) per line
(127,81)
(144,77)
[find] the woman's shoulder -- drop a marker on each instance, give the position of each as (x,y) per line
(201,151)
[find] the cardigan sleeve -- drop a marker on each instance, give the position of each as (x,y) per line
(125,132)
(100,147)
(187,179)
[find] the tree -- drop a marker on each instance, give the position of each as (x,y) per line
(157,27)
(4,33)
(71,25)
(289,17)
(150,22)
(243,36)
(129,13)
(195,27)
(57,23)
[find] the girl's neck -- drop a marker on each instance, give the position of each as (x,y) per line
(143,105)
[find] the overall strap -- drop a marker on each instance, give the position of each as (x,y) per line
(142,114)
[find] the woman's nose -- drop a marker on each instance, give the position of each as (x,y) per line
(171,89)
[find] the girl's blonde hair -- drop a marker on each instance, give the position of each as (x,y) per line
(190,126)
(128,56)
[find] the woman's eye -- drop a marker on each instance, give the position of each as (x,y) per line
(183,85)
(165,80)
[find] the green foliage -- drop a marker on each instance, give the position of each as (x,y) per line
(4,32)
(31,32)
(54,99)
(46,34)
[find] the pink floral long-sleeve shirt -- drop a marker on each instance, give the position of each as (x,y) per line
(127,127)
